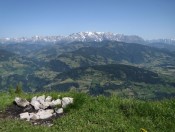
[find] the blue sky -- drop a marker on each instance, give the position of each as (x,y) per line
(149,19)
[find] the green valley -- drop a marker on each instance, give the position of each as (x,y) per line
(98,68)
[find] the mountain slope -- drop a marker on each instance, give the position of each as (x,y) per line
(123,80)
(5,55)
(115,71)
(23,49)
(117,52)
(15,69)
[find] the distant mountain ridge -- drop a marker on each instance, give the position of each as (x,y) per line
(85,37)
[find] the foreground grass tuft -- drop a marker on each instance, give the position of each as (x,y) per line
(100,114)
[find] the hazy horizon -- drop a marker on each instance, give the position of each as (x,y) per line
(145,18)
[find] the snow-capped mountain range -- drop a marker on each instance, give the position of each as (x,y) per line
(85,37)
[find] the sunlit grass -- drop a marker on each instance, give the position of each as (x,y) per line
(100,114)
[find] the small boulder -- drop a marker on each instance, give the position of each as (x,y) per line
(41,99)
(24,116)
(48,99)
(59,111)
(33,116)
(55,102)
(49,111)
(34,98)
(35,103)
(45,114)
(66,101)
(44,105)
(21,102)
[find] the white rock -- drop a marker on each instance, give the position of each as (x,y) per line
(66,101)
(34,98)
(55,102)
(35,123)
(41,99)
(59,111)
(44,105)
(49,111)
(33,116)
(45,114)
(24,116)
(21,102)
(35,103)
(48,99)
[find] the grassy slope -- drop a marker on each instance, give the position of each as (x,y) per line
(101,114)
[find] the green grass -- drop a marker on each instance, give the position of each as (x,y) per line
(100,114)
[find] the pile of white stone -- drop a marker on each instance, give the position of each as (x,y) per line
(44,107)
